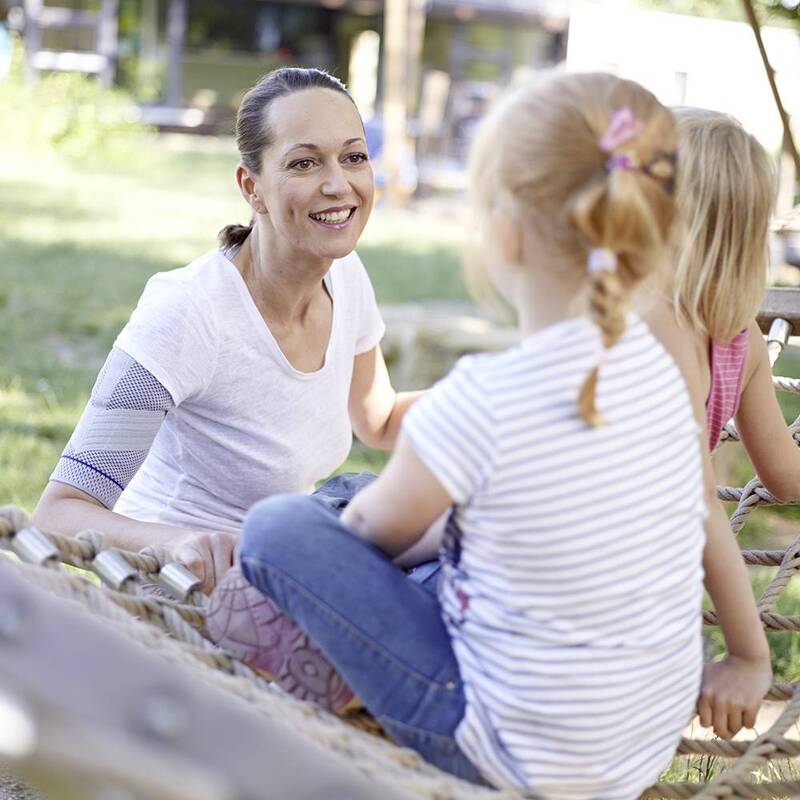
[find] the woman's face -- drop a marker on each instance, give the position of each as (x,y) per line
(316,180)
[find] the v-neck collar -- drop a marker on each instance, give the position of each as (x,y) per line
(264,333)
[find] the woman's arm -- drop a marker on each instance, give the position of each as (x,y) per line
(112,439)
(67,510)
(761,426)
(376,410)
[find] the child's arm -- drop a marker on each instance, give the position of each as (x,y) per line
(732,689)
(375,513)
(760,423)
(443,455)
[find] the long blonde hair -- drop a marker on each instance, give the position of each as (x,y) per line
(726,189)
(540,147)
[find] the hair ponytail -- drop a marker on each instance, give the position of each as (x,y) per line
(232,236)
(615,215)
(590,166)
(627,214)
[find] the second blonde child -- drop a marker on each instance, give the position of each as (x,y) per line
(707,321)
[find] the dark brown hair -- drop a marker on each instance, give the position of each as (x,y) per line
(253,133)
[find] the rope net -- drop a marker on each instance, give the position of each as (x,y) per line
(173,627)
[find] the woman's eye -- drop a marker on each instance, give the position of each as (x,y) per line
(356,158)
(302,164)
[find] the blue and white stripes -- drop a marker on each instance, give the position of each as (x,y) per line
(574,600)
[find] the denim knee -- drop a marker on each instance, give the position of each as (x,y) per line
(274,524)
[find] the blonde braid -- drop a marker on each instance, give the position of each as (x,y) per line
(608,304)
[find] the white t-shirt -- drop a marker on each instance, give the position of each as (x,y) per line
(573,593)
(246,424)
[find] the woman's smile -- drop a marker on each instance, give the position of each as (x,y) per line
(337,218)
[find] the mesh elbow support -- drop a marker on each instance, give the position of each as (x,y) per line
(116,430)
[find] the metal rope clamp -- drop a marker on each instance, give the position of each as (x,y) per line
(113,568)
(779,331)
(33,547)
(778,337)
(179,580)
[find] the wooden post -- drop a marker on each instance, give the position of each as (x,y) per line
(177,15)
(788,140)
(416,38)
(148,47)
(395,44)
(107,30)
(33,38)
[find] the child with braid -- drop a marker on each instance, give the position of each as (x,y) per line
(562,655)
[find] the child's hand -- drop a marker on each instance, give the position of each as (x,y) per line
(731,693)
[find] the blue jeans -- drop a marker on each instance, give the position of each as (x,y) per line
(381,629)
(339,490)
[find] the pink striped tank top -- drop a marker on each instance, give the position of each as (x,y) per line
(727,370)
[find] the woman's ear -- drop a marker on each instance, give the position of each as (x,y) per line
(250,190)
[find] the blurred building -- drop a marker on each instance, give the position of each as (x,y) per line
(203,53)
(188,62)
(693,61)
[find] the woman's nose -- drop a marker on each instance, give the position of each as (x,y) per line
(335,181)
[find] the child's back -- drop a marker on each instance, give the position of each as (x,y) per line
(572,595)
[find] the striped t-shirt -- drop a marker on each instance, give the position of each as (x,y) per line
(572,576)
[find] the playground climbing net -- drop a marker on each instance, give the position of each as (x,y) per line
(116,587)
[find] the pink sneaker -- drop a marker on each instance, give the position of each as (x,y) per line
(246,623)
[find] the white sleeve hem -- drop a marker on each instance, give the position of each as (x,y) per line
(373,341)
(153,367)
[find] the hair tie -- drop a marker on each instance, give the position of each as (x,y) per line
(621,161)
(601,259)
(623,126)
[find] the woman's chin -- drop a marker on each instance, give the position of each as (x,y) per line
(336,251)
(336,247)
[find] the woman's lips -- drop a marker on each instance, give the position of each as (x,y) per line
(334,219)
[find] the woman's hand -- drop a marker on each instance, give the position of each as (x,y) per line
(731,693)
(208,555)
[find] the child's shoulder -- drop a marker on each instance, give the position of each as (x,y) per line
(481,367)
(540,351)
(679,340)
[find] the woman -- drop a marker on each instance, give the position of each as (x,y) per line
(244,373)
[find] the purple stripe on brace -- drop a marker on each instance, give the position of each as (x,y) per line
(95,469)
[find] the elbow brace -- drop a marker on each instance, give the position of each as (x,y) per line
(116,430)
